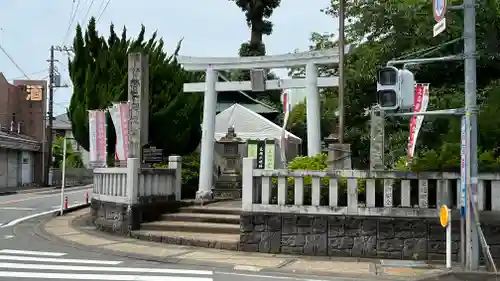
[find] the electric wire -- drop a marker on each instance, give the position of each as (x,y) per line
(88,11)
(103,10)
(14,62)
(29,74)
(429,50)
(71,20)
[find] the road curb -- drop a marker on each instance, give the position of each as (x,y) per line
(174,259)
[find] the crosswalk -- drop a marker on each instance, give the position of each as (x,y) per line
(22,264)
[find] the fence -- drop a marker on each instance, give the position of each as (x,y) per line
(74,176)
(128,185)
(396,194)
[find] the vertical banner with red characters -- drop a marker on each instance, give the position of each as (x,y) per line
(97,133)
(421,101)
(120,115)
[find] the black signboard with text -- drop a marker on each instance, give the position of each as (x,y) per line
(152,155)
(261,154)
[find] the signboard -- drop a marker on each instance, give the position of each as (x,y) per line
(463,166)
(270,155)
(439,13)
(35,93)
(439,27)
(151,155)
(261,154)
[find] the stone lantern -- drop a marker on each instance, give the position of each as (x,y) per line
(228,184)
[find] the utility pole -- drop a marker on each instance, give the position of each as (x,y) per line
(49,135)
(472,240)
(341,70)
(52,86)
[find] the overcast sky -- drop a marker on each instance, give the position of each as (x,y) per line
(210,28)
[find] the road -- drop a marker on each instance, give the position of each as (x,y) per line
(22,205)
(26,255)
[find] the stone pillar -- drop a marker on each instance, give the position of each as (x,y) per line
(377,128)
(229,182)
(138,96)
(339,155)
(313,111)
(207,137)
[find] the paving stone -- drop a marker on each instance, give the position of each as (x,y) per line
(233,258)
(330,266)
(144,250)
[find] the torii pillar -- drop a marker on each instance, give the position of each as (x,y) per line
(211,65)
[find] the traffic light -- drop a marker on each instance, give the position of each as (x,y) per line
(395,88)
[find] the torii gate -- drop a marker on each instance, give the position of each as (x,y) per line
(211,65)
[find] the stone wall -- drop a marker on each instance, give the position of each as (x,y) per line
(377,237)
(122,218)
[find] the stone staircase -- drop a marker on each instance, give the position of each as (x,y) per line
(215,225)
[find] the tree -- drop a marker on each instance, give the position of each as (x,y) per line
(257,14)
(384,30)
(99,71)
(73,159)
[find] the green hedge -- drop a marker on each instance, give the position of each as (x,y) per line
(316,163)
(190,174)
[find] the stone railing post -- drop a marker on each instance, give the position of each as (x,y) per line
(175,162)
(247,183)
(133,165)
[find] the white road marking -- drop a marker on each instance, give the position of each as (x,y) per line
(72,276)
(247,268)
(20,220)
(40,259)
(17,209)
(103,268)
(32,253)
(8,236)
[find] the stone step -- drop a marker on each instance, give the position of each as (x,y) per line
(203,227)
(207,209)
(202,217)
(196,239)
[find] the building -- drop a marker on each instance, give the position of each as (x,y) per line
(62,128)
(22,119)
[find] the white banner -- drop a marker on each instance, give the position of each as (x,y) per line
(421,101)
(286,114)
(92,136)
(97,133)
(120,115)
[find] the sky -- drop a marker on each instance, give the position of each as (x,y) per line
(210,28)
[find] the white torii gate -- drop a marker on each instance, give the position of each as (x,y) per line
(211,65)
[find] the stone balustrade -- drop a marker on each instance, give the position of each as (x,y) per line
(395,192)
(379,214)
(124,197)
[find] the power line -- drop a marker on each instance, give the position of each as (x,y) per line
(103,10)
(30,74)
(88,11)
(71,20)
(14,62)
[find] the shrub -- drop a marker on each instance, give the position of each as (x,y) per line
(315,163)
(190,174)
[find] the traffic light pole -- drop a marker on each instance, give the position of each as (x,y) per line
(472,229)
(472,240)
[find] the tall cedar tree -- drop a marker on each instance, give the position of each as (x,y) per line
(99,71)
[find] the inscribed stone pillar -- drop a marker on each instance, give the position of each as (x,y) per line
(138,96)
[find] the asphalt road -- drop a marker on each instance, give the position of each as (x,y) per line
(22,205)
(25,254)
